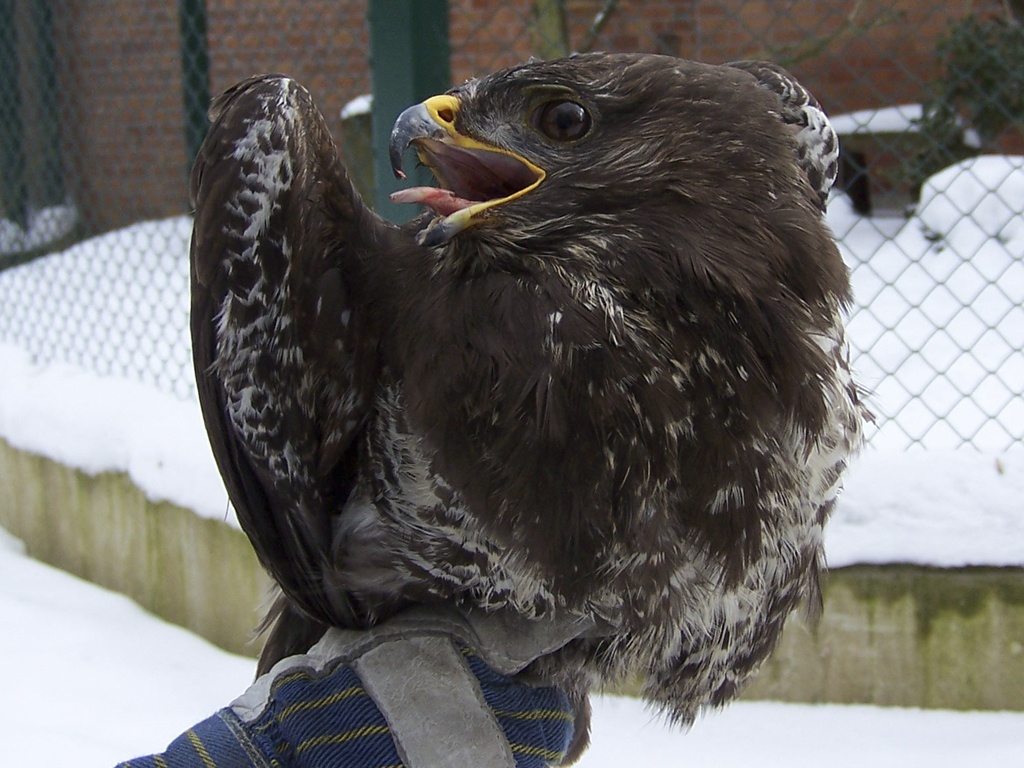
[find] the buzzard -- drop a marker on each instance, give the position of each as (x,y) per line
(604,372)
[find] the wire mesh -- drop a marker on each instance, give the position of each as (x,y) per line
(104,105)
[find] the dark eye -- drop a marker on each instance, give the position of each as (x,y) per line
(562,120)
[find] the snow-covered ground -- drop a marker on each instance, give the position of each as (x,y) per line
(93,679)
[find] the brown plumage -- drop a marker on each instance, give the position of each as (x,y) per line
(605,372)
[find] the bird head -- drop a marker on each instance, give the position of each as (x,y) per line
(520,148)
(595,157)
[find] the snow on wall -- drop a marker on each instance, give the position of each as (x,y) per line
(107,424)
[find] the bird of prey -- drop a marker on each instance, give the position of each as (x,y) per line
(603,372)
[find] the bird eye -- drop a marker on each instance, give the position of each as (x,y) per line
(562,120)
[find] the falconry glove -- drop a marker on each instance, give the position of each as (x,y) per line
(428,689)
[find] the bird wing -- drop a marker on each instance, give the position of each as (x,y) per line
(285,360)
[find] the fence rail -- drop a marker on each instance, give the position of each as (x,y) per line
(103,107)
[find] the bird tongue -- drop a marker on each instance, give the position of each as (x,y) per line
(468,176)
(443,202)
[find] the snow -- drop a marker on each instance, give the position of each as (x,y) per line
(116,305)
(940,508)
(980,196)
(900,118)
(44,226)
(938,326)
(93,680)
(97,363)
(360,105)
(107,424)
(774,735)
(937,292)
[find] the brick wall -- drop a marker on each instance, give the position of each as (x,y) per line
(871,53)
(121,113)
(120,65)
(322,43)
(121,87)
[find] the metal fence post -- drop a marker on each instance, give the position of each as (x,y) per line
(409,54)
(195,75)
(51,189)
(13,189)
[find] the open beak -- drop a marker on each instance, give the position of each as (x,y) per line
(474,176)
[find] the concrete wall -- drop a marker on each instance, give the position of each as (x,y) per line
(895,635)
(907,636)
(193,571)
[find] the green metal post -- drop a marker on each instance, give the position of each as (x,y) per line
(195,75)
(13,190)
(409,59)
(50,188)
(551,39)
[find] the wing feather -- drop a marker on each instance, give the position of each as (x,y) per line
(285,364)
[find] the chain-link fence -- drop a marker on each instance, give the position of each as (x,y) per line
(103,105)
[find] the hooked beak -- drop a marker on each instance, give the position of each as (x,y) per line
(474,176)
